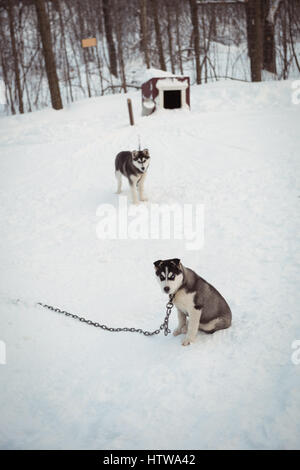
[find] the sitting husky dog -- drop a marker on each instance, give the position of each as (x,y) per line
(134,166)
(194,298)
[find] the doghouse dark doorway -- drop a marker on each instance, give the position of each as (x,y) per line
(172,99)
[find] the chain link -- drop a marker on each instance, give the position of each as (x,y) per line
(164,326)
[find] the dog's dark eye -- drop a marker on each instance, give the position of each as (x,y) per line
(162,278)
(172,277)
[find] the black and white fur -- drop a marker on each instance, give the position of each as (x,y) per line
(133,165)
(200,306)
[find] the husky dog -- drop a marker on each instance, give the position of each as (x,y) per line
(134,166)
(194,298)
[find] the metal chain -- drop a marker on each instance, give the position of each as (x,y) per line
(164,326)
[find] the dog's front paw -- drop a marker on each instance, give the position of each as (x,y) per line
(186,341)
(144,199)
(177,332)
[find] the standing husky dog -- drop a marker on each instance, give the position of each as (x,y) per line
(194,298)
(134,166)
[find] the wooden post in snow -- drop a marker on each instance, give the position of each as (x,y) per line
(129,104)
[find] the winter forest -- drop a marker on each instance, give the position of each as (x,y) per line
(149,208)
(42,59)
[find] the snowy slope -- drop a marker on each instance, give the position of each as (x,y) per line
(68,385)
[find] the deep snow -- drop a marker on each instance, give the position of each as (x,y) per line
(67,385)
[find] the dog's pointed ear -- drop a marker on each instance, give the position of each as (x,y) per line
(146,152)
(176,261)
(157,263)
(134,153)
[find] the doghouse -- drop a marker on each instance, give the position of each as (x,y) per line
(165,92)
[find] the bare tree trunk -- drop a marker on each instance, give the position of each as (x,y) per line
(27,93)
(169,30)
(100,70)
(205,40)
(162,63)
(119,30)
(269,58)
(144,31)
(15,55)
(284,40)
(44,28)
(62,28)
(291,37)
(8,91)
(7,84)
(196,37)
(213,21)
(269,11)
(254,37)
(85,51)
(74,50)
(178,40)
(109,37)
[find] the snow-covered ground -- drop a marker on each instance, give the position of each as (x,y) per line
(67,385)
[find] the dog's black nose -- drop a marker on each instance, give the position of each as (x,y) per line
(143,168)
(166,289)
